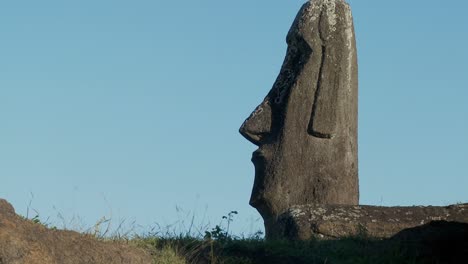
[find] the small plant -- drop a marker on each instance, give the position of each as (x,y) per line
(258,235)
(37,220)
(229,219)
(218,233)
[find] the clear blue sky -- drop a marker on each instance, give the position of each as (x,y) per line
(127,109)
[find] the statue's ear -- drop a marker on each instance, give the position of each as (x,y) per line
(323,119)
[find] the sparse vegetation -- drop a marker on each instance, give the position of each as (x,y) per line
(257,251)
(219,246)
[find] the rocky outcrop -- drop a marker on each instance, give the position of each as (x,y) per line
(23,241)
(337,221)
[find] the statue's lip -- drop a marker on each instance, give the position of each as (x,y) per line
(258,154)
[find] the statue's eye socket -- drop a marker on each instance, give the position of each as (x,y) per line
(296,42)
(292,38)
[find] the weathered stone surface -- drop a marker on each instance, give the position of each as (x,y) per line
(25,242)
(337,221)
(306,127)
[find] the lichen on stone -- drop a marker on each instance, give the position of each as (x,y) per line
(296,212)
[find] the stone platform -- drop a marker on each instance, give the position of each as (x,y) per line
(336,221)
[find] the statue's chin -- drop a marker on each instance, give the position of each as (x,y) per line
(257,200)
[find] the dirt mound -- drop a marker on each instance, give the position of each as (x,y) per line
(23,241)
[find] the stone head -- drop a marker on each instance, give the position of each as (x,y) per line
(306,127)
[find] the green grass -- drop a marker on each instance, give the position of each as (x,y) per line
(355,250)
(218,246)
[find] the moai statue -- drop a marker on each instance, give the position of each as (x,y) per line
(306,127)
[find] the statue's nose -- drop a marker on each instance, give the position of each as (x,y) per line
(257,127)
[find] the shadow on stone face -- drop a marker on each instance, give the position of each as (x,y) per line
(437,241)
